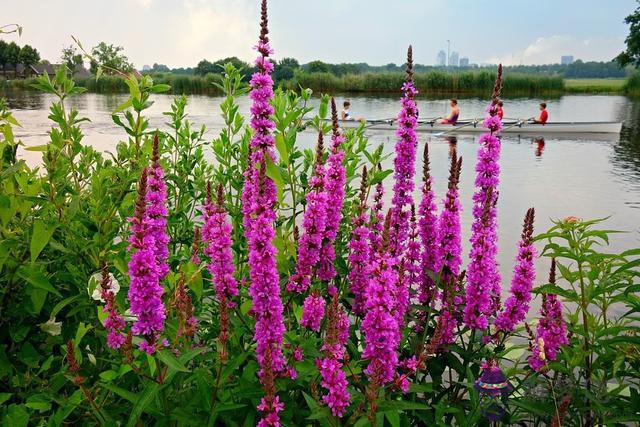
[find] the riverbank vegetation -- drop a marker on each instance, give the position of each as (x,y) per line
(241,280)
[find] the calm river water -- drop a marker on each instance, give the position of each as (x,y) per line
(587,178)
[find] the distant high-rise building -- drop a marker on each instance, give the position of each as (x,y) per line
(464,62)
(454,59)
(441,61)
(146,68)
(566,59)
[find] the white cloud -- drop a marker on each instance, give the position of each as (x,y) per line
(547,50)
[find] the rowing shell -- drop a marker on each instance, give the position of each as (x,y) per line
(511,127)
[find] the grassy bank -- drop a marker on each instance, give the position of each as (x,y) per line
(467,82)
(595,85)
(180,84)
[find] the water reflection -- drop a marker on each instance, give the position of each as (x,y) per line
(539,145)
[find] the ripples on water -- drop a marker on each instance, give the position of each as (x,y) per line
(584,177)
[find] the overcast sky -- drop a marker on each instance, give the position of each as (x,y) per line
(182,32)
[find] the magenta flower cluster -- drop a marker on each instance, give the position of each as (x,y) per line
(145,291)
(451,252)
(333,377)
(216,232)
(380,326)
(359,262)
(157,211)
(114,323)
(524,274)
(483,277)
(312,312)
(551,333)
(259,201)
(429,235)
(334,185)
(314,224)
(404,161)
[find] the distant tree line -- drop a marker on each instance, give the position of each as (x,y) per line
(11,55)
(286,69)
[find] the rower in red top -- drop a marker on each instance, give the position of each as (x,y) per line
(500,110)
(544,115)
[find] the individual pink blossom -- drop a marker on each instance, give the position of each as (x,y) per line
(216,233)
(524,275)
(412,265)
(404,161)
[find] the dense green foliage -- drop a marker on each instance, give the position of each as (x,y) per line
(11,55)
(432,81)
(631,55)
(61,221)
(109,58)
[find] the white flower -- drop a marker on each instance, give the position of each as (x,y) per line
(95,290)
(52,327)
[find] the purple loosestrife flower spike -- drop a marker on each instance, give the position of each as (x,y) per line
(313,223)
(330,366)
(114,323)
(359,251)
(451,249)
(157,210)
(404,161)
(524,274)
(483,276)
(429,236)
(379,326)
(413,258)
(259,202)
(145,291)
(335,181)
(551,330)
(216,232)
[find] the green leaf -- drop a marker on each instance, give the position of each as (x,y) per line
(273,172)
(401,405)
(4,397)
(170,360)
(41,235)
(145,398)
(16,416)
(81,332)
(37,279)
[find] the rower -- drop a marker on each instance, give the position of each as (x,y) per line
(452,118)
(500,111)
(345,114)
(544,115)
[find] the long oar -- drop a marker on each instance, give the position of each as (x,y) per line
(472,122)
(388,121)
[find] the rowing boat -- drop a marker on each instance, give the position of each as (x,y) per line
(510,127)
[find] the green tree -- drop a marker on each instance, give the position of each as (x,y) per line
(160,68)
(13,55)
(285,69)
(109,57)
(632,54)
(28,55)
(204,67)
(317,67)
(3,54)
(71,57)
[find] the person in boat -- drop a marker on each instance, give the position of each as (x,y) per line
(452,118)
(544,115)
(345,114)
(500,111)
